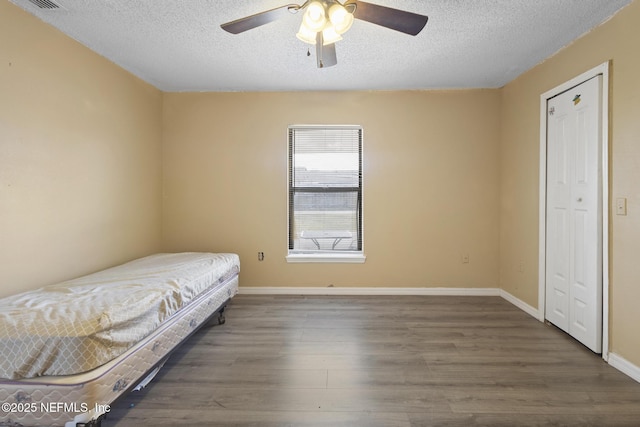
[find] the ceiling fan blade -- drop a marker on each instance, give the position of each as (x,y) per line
(249,22)
(395,19)
(325,54)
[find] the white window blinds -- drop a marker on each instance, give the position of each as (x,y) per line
(325,189)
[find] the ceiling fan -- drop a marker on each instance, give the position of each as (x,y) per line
(324,22)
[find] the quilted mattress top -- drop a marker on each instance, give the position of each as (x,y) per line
(78,325)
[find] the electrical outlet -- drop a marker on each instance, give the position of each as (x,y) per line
(260,256)
(465,258)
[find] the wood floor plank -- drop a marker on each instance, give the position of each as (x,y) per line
(241,376)
(253,418)
(524,419)
(401,361)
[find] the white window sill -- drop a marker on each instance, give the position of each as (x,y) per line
(327,258)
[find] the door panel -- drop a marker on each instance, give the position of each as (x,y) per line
(574,217)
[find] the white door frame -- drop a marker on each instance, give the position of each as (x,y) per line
(602,69)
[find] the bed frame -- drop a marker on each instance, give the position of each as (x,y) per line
(83,400)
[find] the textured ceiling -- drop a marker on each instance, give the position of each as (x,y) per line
(179,45)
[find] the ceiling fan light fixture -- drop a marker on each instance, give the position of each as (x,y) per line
(315,18)
(340,18)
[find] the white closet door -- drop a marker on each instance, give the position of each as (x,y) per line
(574,217)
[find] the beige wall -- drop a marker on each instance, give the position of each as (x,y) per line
(431,166)
(615,41)
(80,158)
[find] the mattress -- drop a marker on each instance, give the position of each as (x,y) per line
(78,325)
(68,400)
(80,398)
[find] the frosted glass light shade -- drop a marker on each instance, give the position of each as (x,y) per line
(314,17)
(340,18)
(329,35)
(306,35)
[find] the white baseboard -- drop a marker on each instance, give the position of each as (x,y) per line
(624,366)
(532,311)
(259,290)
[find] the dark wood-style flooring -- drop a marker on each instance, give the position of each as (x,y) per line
(381,361)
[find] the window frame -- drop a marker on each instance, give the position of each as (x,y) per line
(324,256)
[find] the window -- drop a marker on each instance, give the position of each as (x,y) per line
(325,194)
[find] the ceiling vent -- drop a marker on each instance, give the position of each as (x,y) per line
(45,4)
